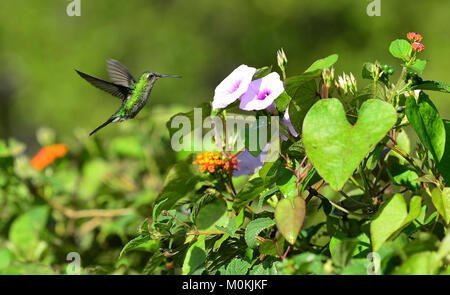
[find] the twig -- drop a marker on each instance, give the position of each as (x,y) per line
(166,213)
(76,214)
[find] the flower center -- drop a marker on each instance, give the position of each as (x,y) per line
(263,95)
(236,86)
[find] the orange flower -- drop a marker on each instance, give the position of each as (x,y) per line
(47,155)
(414,37)
(212,162)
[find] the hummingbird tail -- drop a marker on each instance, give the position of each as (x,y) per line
(110,120)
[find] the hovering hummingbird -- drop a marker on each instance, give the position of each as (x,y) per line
(134,94)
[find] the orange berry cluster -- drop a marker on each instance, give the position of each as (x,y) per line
(48,155)
(211,161)
(415,38)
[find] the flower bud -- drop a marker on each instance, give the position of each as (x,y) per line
(282,60)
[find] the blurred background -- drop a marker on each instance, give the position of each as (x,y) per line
(40,46)
(44,102)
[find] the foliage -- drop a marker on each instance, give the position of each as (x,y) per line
(346,194)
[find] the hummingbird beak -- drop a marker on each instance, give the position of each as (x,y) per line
(173,76)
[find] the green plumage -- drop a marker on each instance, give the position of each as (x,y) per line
(134,95)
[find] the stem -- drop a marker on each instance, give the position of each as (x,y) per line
(405,156)
(218,232)
(71,213)
(342,208)
(353,200)
(165,213)
(375,88)
(356,183)
(404,69)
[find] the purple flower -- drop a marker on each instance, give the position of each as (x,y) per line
(286,121)
(262,93)
(233,86)
(250,164)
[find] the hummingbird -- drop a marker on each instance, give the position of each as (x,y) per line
(133,94)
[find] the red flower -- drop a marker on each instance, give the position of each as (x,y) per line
(418,46)
(48,155)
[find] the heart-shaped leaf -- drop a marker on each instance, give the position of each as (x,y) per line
(289,216)
(334,146)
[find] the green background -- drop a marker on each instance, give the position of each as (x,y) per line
(202,40)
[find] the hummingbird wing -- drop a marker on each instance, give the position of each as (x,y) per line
(119,91)
(119,74)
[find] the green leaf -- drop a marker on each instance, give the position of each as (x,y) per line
(424,118)
(304,263)
(441,201)
(444,248)
(342,250)
(418,66)
(138,242)
(180,181)
(334,146)
(296,150)
(254,228)
(195,256)
(231,227)
(262,72)
(323,63)
(302,101)
(289,216)
(237,267)
(269,248)
(401,49)
(391,218)
(210,214)
(266,194)
(368,69)
(433,86)
(267,267)
(444,164)
(270,171)
(403,176)
(26,230)
(286,183)
(248,193)
(423,263)
(292,84)
(282,101)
